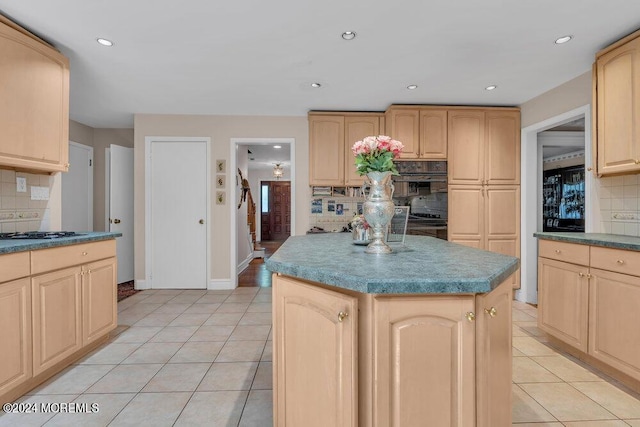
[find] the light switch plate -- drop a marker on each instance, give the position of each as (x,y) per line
(21,184)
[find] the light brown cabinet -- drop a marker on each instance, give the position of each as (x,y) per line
(422,131)
(331,136)
(617,107)
(388,360)
(15,324)
(588,299)
(64,305)
(316,381)
(34,120)
(486,217)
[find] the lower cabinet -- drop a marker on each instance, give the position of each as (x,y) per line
(57,321)
(349,359)
(99,299)
(15,324)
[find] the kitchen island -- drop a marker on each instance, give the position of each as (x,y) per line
(57,303)
(421,336)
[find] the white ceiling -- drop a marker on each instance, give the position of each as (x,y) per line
(257,57)
(265,156)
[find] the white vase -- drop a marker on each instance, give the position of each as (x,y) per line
(378,209)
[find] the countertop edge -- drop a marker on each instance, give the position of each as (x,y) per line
(616,241)
(36,244)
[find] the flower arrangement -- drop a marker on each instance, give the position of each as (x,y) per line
(376,154)
(359,221)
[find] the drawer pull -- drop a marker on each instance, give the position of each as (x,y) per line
(620,261)
(85,253)
(558,251)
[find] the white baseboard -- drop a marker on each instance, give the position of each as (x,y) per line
(220,284)
(141,285)
(244,264)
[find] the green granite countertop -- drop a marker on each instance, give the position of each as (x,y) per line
(19,245)
(598,239)
(422,265)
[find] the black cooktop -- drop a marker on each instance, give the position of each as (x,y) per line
(37,235)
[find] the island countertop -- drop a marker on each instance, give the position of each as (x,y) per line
(21,245)
(422,265)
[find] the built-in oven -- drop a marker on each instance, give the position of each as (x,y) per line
(422,185)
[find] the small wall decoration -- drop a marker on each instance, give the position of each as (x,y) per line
(221,198)
(221,181)
(221,166)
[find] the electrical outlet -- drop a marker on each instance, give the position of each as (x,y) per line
(39,193)
(21,184)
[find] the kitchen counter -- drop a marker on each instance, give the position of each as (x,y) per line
(422,265)
(21,245)
(597,239)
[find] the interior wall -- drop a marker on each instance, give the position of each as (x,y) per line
(221,129)
(244,252)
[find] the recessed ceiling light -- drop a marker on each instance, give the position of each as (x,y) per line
(563,39)
(316,85)
(277,146)
(104,42)
(492,87)
(412,87)
(349,35)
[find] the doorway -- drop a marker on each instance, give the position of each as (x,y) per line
(77,189)
(532,193)
(275,212)
(177,209)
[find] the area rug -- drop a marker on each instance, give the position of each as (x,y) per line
(126,290)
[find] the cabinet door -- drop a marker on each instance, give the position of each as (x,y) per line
(35,115)
(404,125)
(99,299)
(15,324)
(502,147)
(433,134)
(502,222)
(493,356)
(355,129)
(618,109)
(57,322)
(424,362)
(326,150)
(563,300)
(466,147)
(315,359)
(614,336)
(466,215)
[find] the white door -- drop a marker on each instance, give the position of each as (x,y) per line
(77,189)
(178,212)
(120,207)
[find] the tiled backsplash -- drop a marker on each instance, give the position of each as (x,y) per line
(333,213)
(619,206)
(17,211)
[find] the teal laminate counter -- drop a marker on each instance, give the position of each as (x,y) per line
(21,245)
(597,239)
(422,265)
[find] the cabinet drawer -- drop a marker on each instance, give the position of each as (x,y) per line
(618,260)
(66,256)
(13,266)
(563,251)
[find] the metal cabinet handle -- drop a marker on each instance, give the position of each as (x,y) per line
(558,251)
(85,253)
(581,274)
(491,311)
(471,316)
(620,261)
(342,315)
(589,276)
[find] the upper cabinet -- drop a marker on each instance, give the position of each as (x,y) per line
(331,136)
(422,130)
(617,107)
(484,146)
(34,112)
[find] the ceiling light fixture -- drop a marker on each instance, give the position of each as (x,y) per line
(412,87)
(349,35)
(316,85)
(278,172)
(104,42)
(277,146)
(564,39)
(491,87)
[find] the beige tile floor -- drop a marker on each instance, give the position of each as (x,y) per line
(203,358)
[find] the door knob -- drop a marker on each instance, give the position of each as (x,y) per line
(116,221)
(201,221)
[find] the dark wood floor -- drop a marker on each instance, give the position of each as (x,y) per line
(257,274)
